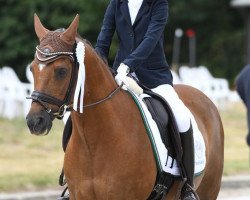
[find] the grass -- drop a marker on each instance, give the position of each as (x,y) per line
(236,150)
(29,162)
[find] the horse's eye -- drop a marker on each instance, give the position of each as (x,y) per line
(61,73)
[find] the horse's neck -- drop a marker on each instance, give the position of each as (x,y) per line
(99,84)
(109,137)
(99,81)
(109,118)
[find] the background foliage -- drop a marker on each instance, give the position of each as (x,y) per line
(219,30)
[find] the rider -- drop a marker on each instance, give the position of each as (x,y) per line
(139,25)
(243,89)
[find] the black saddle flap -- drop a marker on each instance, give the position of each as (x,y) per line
(161,118)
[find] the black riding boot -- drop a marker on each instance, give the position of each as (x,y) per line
(187,141)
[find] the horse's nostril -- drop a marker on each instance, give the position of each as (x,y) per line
(30,122)
(37,124)
(39,121)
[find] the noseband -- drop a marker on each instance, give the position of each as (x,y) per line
(42,98)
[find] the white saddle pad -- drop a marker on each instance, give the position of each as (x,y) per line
(166,162)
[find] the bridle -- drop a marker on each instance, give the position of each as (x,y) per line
(43,98)
(64,105)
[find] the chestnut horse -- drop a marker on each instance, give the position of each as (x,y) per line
(109,155)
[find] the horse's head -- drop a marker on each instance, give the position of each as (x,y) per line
(53,70)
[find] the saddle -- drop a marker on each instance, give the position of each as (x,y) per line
(164,118)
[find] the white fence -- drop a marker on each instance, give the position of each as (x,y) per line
(217,89)
(13,92)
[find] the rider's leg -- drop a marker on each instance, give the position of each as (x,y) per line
(188,163)
(182,116)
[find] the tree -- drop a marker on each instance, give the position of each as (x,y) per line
(18,39)
(219,30)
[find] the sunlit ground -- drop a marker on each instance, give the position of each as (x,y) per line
(236,150)
(29,162)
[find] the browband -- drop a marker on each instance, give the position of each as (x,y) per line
(43,56)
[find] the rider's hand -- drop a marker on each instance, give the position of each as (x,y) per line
(122,73)
(129,83)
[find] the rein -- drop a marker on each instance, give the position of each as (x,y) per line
(42,98)
(113,93)
(63,108)
(69,107)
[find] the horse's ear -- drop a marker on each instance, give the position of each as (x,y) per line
(70,34)
(41,31)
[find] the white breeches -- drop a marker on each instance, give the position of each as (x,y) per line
(180,111)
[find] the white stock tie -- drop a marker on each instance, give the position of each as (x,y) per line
(134,6)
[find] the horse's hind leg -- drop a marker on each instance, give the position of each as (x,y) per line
(211,182)
(209,189)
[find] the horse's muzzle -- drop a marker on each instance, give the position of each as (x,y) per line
(39,123)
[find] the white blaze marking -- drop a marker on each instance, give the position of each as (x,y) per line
(41,66)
